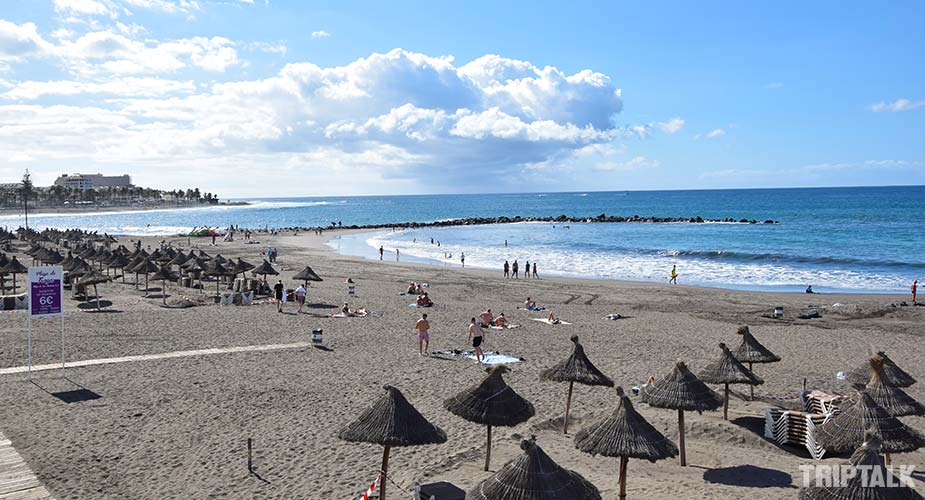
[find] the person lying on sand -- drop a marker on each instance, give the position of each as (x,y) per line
(424,301)
(487,318)
(552,320)
(347,312)
(500,320)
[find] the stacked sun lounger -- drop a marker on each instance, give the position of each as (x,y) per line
(799,427)
(12,302)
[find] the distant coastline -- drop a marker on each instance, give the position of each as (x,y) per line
(91,209)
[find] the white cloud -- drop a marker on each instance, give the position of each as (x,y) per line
(672,126)
(816,169)
(897,105)
(320,34)
(82,7)
(394,115)
(637,163)
(715,133)
(20,40)
(774,85)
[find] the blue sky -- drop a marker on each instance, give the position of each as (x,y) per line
(288,98)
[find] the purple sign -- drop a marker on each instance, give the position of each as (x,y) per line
(46,290)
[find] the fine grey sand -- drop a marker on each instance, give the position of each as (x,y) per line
(177,428)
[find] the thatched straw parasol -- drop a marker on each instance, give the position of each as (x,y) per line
(307,275)
(681,390)
(146,267)
(204,256)
(625,434)
(751,351)
(14,267)
(491,402)
(241,267)
(217,270)
(52,257)
(164,274)
(264,269)
(178,260)
(867,478)
(727,370)
(118,261)
(845,431)
(94,277)
(892,374)
(576,368)
(391,421)
(534,476)
(889,397)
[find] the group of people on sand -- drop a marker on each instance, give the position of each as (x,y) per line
(488,319)
(513,270)
(279,295)
(423,299)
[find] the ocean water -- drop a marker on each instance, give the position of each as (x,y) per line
(836,239)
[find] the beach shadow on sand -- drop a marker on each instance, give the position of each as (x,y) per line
(749,476)
(755,425)
(321,306)
(323,348)
(66,390)
(92,304)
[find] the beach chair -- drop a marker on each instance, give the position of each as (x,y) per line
(227,299)
(247,298)
(795,428)
(820,402)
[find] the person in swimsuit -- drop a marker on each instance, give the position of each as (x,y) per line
(552,320)
(423,327)
(674,275)
(487,318)
(501,320)
(527,270)
(529,304)
(534,270)
(475,336)
(514,268)
(915,288)
(507,270)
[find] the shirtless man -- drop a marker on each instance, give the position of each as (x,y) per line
(501,320)
(475,336)
(487,318)
(529,304)
(423,327)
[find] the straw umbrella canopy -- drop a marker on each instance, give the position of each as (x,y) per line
(534,476)
(491,402)
(307,275)
(204,256)
(390,422)
(891,373)
(728,370)
(178,260)
(751,351)
(217,270)
(118,261)
(94,277)
(164,274)
(891,398)
(625,434)
(146,267)
(241,267)
(858,483)
(221,260)
(576,368)
(264,269)
(845,431)
(14,267)
(681,390)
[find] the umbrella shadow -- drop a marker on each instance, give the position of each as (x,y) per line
(749,476)
(322,306)
(755,425)
(158,296)
(92,304)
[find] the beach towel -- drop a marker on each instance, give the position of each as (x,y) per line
(613,317)
(415,304)
(359,313)
(546,320)
(488,358)
(534,308)
(507,327)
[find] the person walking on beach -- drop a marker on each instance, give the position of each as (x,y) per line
(507,270)
(514,269)
(915,288)
(527,270)
(278,290)
(534,270)
(475,336)
(300,297)
(674,275)
(462,258)
(423,327)
(381,252)
(397,254)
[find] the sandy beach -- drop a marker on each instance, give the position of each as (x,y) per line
(178,428)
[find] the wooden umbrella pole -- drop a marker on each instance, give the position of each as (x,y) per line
(146,284)
(887,459)
(97,293)
(384,473)
(568,406)
(726,402)
(623,462)
(751,388)
(164,292)
(488,449)
(681,437)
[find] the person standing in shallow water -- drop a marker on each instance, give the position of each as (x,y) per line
(381,251)
(462,259)
(915,287)
(507,270)
(527,270)
(514,267)
(674,275)
(534,270)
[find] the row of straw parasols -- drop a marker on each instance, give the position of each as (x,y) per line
(869,425)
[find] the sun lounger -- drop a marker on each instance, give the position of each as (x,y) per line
(795,428)
(546,320)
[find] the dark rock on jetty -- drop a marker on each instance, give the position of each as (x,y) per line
(472,221)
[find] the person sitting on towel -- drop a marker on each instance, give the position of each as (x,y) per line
(418,289)
(529,304)
(487,318)
(412,288)
(424,300)
(501,321)
(552,320)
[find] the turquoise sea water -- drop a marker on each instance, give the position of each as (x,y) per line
(846,239)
